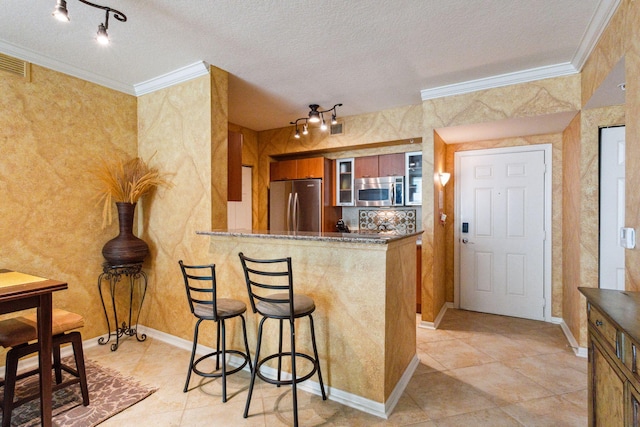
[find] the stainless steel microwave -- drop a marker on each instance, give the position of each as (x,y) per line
(382,191)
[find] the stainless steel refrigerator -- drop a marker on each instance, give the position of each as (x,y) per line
(295,205)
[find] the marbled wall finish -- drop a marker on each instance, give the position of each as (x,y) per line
(361,326)
(175,124)
(522,100)
(54,129)
(621,39)
(437,295)
(557,196)
(592,120)
(250,158)
(387,125)
(400,307)
(219,146)
(632,130)
(610,48)
(573,309)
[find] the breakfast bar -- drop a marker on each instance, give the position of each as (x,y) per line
(363,286)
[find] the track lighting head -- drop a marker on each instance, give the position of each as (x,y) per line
(315,116)
(102,37)
(60,12)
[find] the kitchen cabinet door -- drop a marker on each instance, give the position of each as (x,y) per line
(366,167)
(413,178)
(283,170)
(344,182)
(391,164)
(234,167)
(633,410)
(606,405)
(310,168)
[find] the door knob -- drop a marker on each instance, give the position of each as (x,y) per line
(465,241)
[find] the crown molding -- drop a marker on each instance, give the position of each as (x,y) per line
(180,75)
(53,64)
(499,81)
(599,21)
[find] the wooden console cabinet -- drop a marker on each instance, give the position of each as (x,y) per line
(614,338)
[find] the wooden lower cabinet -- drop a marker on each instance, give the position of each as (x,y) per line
(614,334)
(633,402)
(607,389)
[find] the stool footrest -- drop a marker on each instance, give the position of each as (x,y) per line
(299,379)
(195,369)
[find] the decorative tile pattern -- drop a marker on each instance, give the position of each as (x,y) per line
(400,221)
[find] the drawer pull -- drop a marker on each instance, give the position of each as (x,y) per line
(598,322)
(634,363)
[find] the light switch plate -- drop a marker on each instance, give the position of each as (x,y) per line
(628,238)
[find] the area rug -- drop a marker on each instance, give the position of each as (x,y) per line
(110,392)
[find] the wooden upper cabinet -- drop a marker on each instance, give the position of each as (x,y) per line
(297,169)
(366,167)
(311,168)
(285,169)
(391,164)
(234,167)
(382,165)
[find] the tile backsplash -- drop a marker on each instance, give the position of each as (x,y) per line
(405,220)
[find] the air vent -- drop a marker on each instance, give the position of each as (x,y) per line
(15,66)
(337,129)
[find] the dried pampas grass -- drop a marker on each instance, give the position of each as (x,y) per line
(125,181)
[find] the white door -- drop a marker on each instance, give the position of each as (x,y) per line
(612,181)
(239,213)
(502,232)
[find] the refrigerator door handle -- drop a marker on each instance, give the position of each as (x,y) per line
(296,208)
(289,213)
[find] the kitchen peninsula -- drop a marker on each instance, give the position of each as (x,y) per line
(364,290)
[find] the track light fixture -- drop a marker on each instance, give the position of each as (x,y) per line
(61,13)
(315,116)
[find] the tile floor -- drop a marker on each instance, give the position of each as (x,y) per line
(476,369)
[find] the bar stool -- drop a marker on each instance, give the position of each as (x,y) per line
(18,335)
(200,284)
(263,277)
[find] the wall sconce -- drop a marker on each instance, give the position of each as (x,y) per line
(444,178)
(61,13)
(315,116)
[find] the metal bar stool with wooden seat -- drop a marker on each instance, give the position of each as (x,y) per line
(200,283)
(270,287)
(19,335)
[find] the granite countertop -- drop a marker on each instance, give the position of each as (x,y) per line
(355,237)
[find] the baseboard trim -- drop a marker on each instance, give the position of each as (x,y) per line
(577,350)
(378,409)
(434,325)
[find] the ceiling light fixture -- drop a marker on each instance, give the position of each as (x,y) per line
(61,13)
(315,116)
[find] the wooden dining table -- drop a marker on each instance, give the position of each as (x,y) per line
(20,291)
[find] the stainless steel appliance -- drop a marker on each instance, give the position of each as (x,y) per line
(382,191)
(295,205)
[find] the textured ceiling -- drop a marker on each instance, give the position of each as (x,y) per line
(282,55)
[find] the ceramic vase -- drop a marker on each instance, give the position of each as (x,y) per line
(125,248)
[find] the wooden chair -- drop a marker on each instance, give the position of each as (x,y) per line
(19,335)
